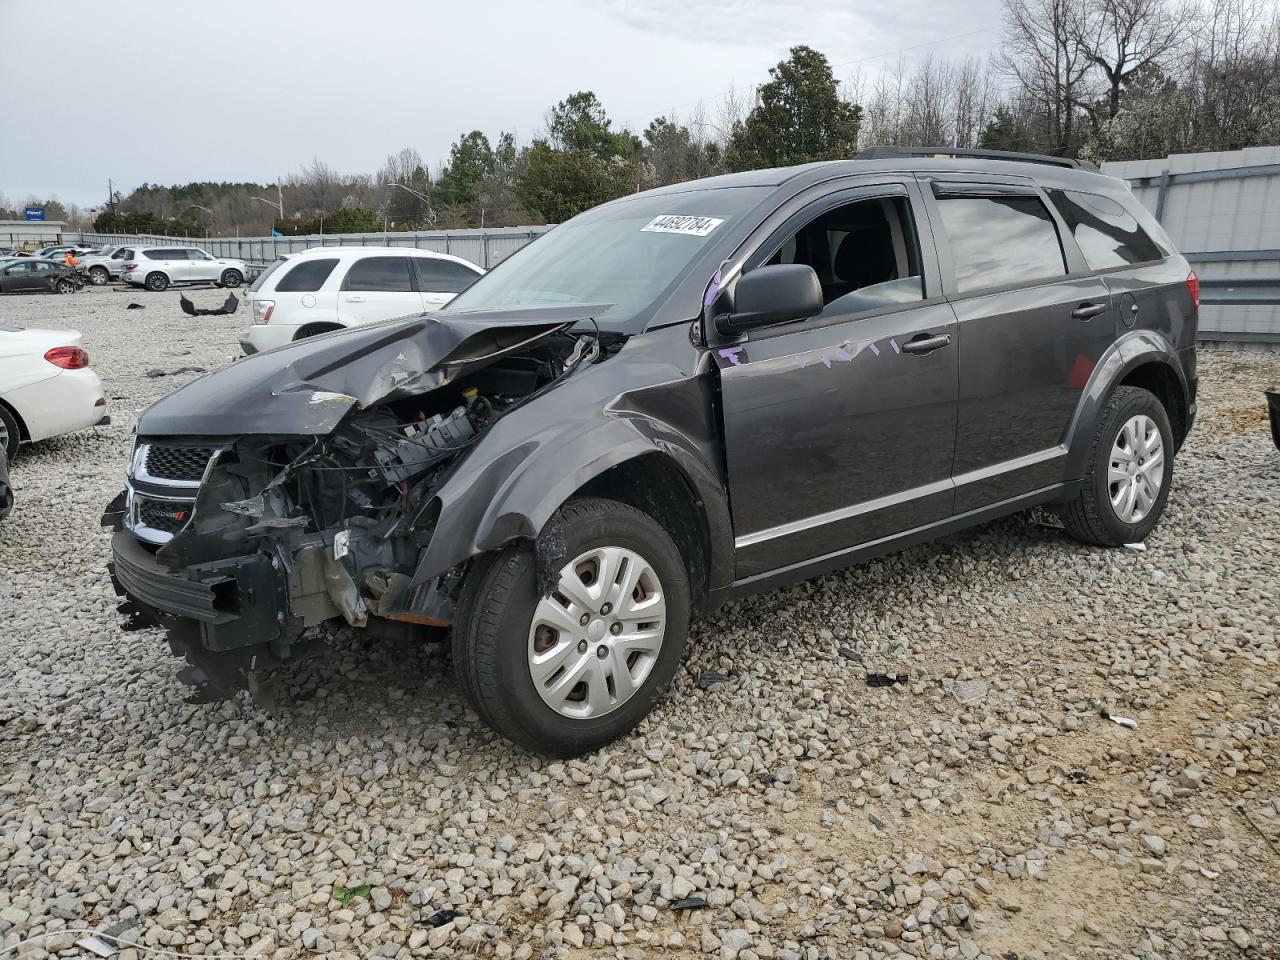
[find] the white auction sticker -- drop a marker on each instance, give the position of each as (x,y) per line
(676,223)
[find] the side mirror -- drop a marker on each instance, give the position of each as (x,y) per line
(772,294)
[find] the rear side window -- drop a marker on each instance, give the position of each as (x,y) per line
(384,274)
(1107,234)
(307,277)
(1001,240)
(261,278)
(443,276)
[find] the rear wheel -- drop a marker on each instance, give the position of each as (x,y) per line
(570,671)
(231,278)
(99,276)
(157,282)
(10,434)
(1128,474)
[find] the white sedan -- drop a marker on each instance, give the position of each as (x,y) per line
(46,386)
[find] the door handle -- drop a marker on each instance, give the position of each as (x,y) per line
(1087,311)
(355,299)
(924,343)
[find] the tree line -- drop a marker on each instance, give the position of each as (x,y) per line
(1103,79)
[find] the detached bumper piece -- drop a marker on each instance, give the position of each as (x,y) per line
(225,617)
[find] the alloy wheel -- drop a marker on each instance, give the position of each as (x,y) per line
(1136,472)
(594,641)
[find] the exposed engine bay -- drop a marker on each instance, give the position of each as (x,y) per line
(238,546)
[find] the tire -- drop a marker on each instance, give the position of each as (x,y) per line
(99,276)
(65,286)
(502,619)
(157,282)
(231,278)
(1104,512)
(10,433)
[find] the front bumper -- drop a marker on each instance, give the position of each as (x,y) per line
(237,603)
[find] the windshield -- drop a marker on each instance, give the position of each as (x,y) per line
(630,254)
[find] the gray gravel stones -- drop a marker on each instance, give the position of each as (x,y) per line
(982,807)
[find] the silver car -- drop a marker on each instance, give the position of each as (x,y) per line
(158,268)
(104,265)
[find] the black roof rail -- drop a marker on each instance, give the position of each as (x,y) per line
(889,153)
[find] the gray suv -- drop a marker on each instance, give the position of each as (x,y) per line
(673,400)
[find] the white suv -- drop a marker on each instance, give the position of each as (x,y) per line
(329,288)
(158,268)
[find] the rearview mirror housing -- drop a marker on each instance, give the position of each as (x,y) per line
(777,293)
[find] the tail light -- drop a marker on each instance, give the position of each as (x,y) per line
(130,266)
(262,310)
(1193,285)
(68,358)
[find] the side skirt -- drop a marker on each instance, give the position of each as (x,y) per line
(862,552)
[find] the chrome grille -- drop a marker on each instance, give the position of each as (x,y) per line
(165,462)
(166,516)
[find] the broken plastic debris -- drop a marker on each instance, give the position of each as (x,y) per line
(885,679)
(441,917)
(850,654)
(1129,722)
(1135,546)
(711,678)
(969,691)
(103,943)
(689,903)
(875,821)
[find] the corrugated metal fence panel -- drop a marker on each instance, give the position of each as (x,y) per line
(485,248)
(1231,216)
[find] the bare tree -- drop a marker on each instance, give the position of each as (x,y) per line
(1122,37)
(1042,55)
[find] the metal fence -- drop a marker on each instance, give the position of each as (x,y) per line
(484,248)
(1223,212)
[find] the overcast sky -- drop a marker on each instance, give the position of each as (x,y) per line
(232,90)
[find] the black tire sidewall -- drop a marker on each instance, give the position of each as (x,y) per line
(524,717)
(15,436)
(1136,402)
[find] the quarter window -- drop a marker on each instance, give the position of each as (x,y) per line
(1001,240)
(307,277)
(443,276)
(1107,234)
(388,274)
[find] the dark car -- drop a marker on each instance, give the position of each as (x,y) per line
(33,275)
(673,400)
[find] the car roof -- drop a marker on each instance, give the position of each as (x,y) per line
(371,251)
(805,174)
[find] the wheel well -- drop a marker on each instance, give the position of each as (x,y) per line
(312,329)
(655,485)
(1163,382)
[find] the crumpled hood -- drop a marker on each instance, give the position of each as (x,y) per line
(307,387)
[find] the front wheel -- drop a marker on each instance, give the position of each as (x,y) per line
(1128,474)
(99,276)
(231,278)
(65,286)
(568,671)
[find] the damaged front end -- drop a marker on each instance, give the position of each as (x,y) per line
(299,485)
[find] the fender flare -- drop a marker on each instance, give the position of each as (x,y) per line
(512,496)
(1130,351)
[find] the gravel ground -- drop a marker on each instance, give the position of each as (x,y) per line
(982,808)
